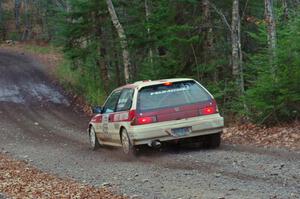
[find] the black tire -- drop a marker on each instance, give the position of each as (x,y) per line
(128,148)
(94,142)
(213,140)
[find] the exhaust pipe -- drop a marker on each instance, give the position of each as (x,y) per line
(155,144)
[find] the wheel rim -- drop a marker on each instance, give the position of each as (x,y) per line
(125,143)
(92,138)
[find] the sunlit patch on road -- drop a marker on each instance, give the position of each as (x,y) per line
(44,92)
(11,94)
(21,84)
(31,92)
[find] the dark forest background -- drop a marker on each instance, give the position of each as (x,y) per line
(247,53)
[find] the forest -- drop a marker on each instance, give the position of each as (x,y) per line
(247,53)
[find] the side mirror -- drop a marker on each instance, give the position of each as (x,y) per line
(97,110)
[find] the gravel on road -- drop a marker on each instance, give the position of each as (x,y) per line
(49,135)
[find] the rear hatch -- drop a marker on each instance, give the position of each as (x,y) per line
(173,101)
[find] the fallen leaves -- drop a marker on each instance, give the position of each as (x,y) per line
(20,180)
(285,136)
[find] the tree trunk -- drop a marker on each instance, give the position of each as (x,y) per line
(271,29)
(208,37)
(102,60)
(103,70)
(17,14)
(237,57)
(1,12)
(27,29)
(296,3)
(208,45)
(285,10)
(2,25)
(117,68)
(147,11)
(123,39)
(102,63)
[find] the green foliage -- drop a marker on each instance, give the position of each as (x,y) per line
(169,43)
(13,36)
(85,83)
(175,39)
(80,31)
(275,97)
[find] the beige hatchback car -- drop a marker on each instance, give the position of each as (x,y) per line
(154,112)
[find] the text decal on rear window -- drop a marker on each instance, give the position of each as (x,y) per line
(170,91)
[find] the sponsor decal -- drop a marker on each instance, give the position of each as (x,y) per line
(121,117)
(105,124)
(170,91)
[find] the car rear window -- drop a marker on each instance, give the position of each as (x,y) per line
(175,94)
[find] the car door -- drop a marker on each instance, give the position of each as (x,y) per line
(120,117)
(107,115)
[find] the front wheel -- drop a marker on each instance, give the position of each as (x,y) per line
(128,148)
(94,143)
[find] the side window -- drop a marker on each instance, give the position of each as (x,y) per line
(125,100)
(111,102)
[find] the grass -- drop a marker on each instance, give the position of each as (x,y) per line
(41,49)
(80,83)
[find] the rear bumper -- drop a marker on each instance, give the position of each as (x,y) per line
(203,125)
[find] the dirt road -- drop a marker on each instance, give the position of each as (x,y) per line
(37,124)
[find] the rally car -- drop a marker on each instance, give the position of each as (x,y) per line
(154,112)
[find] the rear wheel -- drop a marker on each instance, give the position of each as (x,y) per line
(213,140)
(128,148)
(94,143)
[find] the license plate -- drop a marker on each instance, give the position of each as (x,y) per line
(181,131)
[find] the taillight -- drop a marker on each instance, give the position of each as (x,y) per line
(210,109)
(168,84)
(144,120)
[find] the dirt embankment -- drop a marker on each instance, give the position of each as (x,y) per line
(284,136)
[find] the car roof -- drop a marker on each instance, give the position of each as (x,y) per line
(140,84)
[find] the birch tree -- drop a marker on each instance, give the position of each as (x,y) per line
(271,30)
(123,39)
(237,57)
